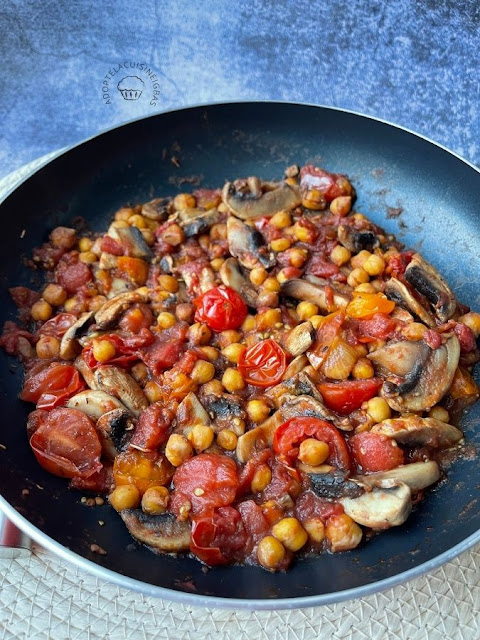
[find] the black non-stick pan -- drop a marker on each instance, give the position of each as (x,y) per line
(424,194)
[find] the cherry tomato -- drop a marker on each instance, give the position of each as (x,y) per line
(263,364)
(152,428)
(344,397)
(73,276)
(379,327)
(57,325)
(365,305)
(138,317)
(255,523)
(375,452)
(220,308)
(212,476)
(292,433)
(218,536)
(110,245)
(52,386)
(99,482)
(66,444)
(143,469)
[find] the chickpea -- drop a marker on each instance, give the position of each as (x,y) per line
(363,369)
(282,276)
(168,283)
(217,263)
(291,533)
(374,265)
(233,351)
(74,305)
(124,213)
(155,501)
(201,436)
(178,449)
(356,277)
(85,244)
(87,257)
(63,237)
(47,347)
(248,324)
(261,478)
(270,553)
(229,336)
(341,206)
(202,372)
(313,452)
(365,287)
(281,220)
(271,284)
(258,410)
(472,321)
(173,235)
(258,275)
(305,310)
(298,257)
(439,413)
(41,310)
(227,439)
(199,333)
(268,319)
(358,260)
(153,391)
(238,426)
(302,233)
(126,496)
(103,350)
(340,255)
(96,302)
(138,221)
(120,224)
(166,320)
(281,244)
(185,312)
(414,331)
(218,231)
(54,294)
(317,321)
(214,388)
(343,533)
(315,528)
(184,201)
(267,299)
(378,409)
(314,200)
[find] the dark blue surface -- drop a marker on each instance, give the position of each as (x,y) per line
(413,63)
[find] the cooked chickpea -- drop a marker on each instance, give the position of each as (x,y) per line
(63,237)
(173,235)
(340,255)
(258,275)
(315,528)
(472,321)
(41,310)
(281,220)
(202,372)
(54,294)
(358,259)
(96,302)
(357,276)
(439,413)
(233,351)
(201,436)
(229,336)
(47,347)
(317,321)
(214,387)
(210,353)
(199,333)
(168,283)
(166,320)
(267,299)
(343,533)
(302,233)
(126,496)
(85,244)
(268,319)
(374,265)
(281,244)
(305,310)
(155,501)
(261,478)
(184,201)
(218,231)
(137,221)
(103,350)
(414,331)
(120,224)
(363,369)
(185,312)
(248,324)
(291,533)
(233,380)
(341,206)
(270,553)
(87,257)
(365,287)
(153,391)
(313,452)
(282,276)
(73,305)
(217,263)
(314,200)
(227,439)
(258,410)
(298,257)
(178,449)
(238,426)
(271,284)
(378,409)
(124,213)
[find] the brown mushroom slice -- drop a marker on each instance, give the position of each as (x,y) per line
(416,431)
(115,429)
(387,505)
(356,240)
(191,413)
(163,533)
(247,245)
(133,243)
(300,289)
(425,374)
(400,294)
(232,277)
(111,310)
(157,209)
(304,405)
(120,384)
(247,200)
(417,475)
(258,438)
(197,221)
(87,373)
(295,367)
(300,339)
(69,347)
(427,281)
(94,403)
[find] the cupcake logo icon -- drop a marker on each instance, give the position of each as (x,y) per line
(131,87)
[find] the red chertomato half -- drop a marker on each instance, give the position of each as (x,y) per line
(263,364)
(375,452)
(291,434)
(344,397)
(152,428)
(57,326)
(220,308)
(73,276)
(206,481)
(52,386)
(66,444)
(216,538)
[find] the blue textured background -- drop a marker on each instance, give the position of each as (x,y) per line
(413,63)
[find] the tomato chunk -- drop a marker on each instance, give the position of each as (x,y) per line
(375,452)
(52,386)
(218,537)
(365,305)
(344,397)
(221,308)
(263,364)
(152,428)
(74,276)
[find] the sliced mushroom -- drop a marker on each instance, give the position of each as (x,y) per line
(197,221)
(425,374)
(295,367)
(427,281)
(417,475)
(115,429)
(111,310)
(386,505)
(247,244)
(401,295)
(232,277)
(107,261)
(118,286)
(416,431)
(303,405)
(297,385)
(258,438)
(164,533)
(87,373)
(157,209)
(246,199)
(224,407)
(356,240)
(120,384)
(300,338)
(300,289)
(191,413)
(94,403)
(133,243)
(334,485)
(69,347)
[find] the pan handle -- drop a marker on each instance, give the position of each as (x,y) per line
(14,543)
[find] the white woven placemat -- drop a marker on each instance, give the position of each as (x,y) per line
(43,598)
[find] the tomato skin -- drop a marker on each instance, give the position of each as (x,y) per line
(290,434)
(152,428)
(215,474)
(344,397)
(138,317)
(248,471)
(366,305)
(326,334)
(321,267)
(66,444)
(379,327)
(263,364)
(217,537)
(110,245)
(52,386)
(57,326)
(375,452)
(99,482)
(221,308)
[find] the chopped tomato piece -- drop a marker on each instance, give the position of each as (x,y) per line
(99,482)
(218,537)
(309,505)
(152,428)
(110,245)
(321,267)
(162,355)
(348,395)
(263,364)
(73,276)
(365,305)
(375,452)
(138,317)
(52,386)
(220,308)
(57,326)
(330,185)
(379,327)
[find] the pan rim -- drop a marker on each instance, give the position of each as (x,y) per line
(215,601)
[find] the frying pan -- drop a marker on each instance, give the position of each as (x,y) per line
(407,184)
